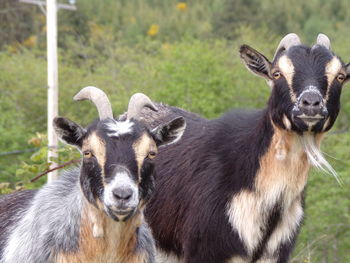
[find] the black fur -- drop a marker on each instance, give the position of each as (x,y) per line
(186,212)
(69,131)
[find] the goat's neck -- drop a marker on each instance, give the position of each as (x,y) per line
(285,166)
(98,225)
(103,239)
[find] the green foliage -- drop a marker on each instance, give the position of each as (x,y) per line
(183,54)
(38,162)
(20,22)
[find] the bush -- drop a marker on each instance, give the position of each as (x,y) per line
(176,68)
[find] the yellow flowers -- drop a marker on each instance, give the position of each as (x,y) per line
(153,30)
(182,6)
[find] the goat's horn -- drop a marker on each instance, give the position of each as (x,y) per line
(137,102)
(323,40)
(288,41)
(99,98)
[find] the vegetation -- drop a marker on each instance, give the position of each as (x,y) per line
(181,53)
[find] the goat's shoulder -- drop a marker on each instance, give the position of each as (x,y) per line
(12,209)
(15,201)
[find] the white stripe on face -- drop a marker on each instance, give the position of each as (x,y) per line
(117,128)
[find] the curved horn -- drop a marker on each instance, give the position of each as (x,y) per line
(288,41)
(99,98)
(323,40)
(137,102)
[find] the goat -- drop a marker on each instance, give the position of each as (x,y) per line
(232,190)
(95,213)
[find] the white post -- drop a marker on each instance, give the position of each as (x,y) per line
(52,82)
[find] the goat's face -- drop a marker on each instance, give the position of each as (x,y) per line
(306,84)
(118,160)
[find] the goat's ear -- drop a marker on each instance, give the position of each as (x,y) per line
(256,62)
(347,70)
(169,132)
(68,131)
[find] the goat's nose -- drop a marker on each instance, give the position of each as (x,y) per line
(311,103)
(122,194)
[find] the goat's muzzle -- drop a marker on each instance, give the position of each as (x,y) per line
(310,107)
(121,194)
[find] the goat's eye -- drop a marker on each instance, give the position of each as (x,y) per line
(87,154)
(276,75)
(152,155)
(340,77)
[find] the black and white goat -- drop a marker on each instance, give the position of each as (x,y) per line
(94,213)
(232,190)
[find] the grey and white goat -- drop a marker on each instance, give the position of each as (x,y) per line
(93,213)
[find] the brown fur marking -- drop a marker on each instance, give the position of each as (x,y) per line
(142,147)
(117,244)
(286,67)
(333,68)
(282,177)
(97,146)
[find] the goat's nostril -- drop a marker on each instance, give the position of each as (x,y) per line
(122,194)
(305,103)
(310,101)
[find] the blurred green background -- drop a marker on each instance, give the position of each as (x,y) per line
(181,53)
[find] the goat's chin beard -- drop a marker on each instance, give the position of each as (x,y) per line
(314,154)
(120,215)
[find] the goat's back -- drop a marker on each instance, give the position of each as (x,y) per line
(197,176)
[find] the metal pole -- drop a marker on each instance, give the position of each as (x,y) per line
(52,82)
(52,73)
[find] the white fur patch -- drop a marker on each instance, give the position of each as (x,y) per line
(117,128)
(247,213)
(120,180)
(162,257)
(97,225)
(286,122)
(291,219)
(237,259)
(267,260)
(325,125)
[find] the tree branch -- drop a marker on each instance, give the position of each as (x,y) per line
(55,168)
